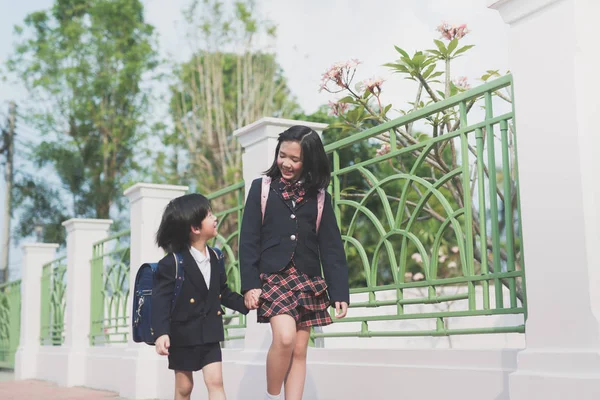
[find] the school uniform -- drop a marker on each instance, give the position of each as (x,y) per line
(283,255)
(195,325)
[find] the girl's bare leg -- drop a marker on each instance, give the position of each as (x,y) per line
(280,352)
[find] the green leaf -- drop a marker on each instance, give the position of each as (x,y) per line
(431,60)
(452,45)
(398,67)
(463,49)
(435,53)
(399,50)
(386,109)
(428,71)
(337,125)
(418,59)
(441,47)
(347,99)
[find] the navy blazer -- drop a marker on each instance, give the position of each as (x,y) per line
(197,317)
(287,233)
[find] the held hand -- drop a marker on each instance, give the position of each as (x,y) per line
(162,345)
(256,295)
(341,309)
(251,299)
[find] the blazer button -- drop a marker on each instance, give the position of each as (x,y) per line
(293,216)
(220,296)
(293,237)
(219,312)
(192,301)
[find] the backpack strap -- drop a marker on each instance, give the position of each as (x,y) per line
(264,195)
(178,278)
(219,255)
(320,206)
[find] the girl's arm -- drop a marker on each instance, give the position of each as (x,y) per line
(333,256)
(229,298)
(162,296)
(250,239)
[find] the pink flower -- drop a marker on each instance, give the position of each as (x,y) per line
(373,85)
(452,264)
(417,257)
(384,149)
(337,109)
(443,258)
(449,32)
(340,74)
(408,276)
(462,83)
(418,276)
(454,249)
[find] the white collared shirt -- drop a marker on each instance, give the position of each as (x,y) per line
(203,262)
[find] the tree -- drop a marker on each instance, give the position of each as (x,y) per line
(83,63)
(228,83)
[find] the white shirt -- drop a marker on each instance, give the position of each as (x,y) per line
(203,262)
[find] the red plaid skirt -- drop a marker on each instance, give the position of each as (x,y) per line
(294,293)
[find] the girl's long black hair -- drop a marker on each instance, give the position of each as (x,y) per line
(316,171)
(180,215)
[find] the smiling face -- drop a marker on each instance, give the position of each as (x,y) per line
(207,229)
(289,160)
(209,226)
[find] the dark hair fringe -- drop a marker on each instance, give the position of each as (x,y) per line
(316,171)
(180,215)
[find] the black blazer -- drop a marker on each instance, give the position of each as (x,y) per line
(197,317)
(288,233)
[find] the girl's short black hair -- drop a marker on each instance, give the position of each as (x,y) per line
(180,215)
(316,171)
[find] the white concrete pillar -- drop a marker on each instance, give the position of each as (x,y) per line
(259,141)
(35,255)
(147,203)
(81,236)
(554,59)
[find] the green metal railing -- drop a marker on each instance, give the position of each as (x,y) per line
(10,322)
(110,290)
(53,302)
(228,205)
(432,225)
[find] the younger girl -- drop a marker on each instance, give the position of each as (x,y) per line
(281,255)
(190,329)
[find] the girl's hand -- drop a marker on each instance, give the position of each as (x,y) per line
(251,299)
(341,309)
(162,345)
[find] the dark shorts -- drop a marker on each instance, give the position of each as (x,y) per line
(194,358)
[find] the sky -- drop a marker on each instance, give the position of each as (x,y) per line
(312,35)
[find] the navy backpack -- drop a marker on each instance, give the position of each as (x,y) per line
(141,321)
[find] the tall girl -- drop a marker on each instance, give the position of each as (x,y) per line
(281,253)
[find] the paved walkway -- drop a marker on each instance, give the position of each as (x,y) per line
(34,390)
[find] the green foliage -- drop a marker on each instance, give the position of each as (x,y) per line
(406,206)
(228,83)
(83,63)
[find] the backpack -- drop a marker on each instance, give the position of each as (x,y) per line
(141,321)
(264,196)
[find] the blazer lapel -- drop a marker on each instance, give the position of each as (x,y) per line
(215,272)
(275,188)
(192,272)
